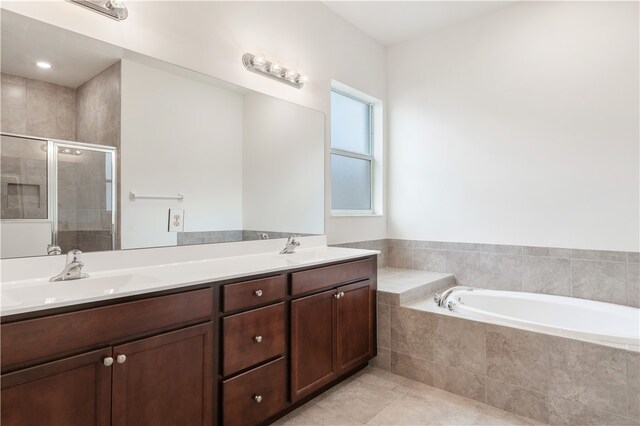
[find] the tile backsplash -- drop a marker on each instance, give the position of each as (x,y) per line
(607,276)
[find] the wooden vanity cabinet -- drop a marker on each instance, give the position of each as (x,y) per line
(147,361)
(230,353)
(165,379)
(160,380)
(333,331)
(71,391)
(313,339)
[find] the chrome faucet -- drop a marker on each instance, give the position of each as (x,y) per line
(291,245)
(440,299)
(73,269)
(53,250)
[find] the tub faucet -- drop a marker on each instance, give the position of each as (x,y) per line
(440,299)
(53,250)
(73,269)
(291,245)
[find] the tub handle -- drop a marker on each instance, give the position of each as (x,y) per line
(451,304)
(436,298)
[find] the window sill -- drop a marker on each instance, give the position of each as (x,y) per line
(354,214)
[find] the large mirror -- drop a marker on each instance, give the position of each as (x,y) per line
(106,149)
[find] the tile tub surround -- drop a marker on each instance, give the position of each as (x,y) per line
(381,245)
(400,286)
(550,379)
(377,397)
(606,276)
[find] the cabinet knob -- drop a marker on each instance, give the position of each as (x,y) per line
(341,294)
(337,295)
(258,293)
(258,339)
(108,361)
(257,398)
(121,358)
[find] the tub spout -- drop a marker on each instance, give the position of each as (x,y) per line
(441,299)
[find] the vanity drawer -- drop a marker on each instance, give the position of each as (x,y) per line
(251,293)
(240,395)
(315,279)
(252,337)
(28,340)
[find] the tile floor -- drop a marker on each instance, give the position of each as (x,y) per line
(377,397)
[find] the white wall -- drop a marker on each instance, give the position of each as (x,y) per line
(283,185)
(183,136)
(519,127)
(211,37)
(24,239)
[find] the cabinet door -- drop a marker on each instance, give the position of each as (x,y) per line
(165,380)
(354,325)
(71,391)
(312,343)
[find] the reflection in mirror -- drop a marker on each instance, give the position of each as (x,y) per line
(101,123)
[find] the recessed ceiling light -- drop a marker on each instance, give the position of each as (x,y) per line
(43,65)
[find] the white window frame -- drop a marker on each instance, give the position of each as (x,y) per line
(368,157)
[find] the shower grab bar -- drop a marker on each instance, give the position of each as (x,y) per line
(133,196)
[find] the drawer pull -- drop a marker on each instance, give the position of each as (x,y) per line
(121,358)
(257,398)
(258,293)
(108,361)
(258,339)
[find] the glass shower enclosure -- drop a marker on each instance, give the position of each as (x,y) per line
(56,193)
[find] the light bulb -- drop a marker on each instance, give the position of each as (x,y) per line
(258,61)
(290,75)
(302,79)
(114,4)
(275,67)
(43,65)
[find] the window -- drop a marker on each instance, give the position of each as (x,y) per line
(352,154)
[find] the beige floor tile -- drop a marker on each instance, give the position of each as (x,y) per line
(377,397)
(362,398)
(312,414)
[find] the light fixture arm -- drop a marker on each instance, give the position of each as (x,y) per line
(114,9)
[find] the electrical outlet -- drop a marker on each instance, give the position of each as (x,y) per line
(176,220)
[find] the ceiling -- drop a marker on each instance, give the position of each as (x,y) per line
(74,59)
(391,22)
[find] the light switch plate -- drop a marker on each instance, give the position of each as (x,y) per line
(176,220)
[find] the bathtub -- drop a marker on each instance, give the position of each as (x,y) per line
(587,320)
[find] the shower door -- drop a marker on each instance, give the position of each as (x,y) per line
(84,197)
(55,192)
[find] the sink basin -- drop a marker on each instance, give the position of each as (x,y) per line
(45,292)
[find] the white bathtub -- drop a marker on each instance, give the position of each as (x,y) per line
(597,322)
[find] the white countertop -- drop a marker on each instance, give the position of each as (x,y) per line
(34,294)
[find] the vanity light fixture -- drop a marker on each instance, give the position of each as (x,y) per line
(43,65)
(259,65)
(114,9)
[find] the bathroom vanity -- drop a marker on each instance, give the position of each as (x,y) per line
(240,351)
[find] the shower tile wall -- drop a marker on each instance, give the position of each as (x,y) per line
(98,122)
(607,276)
(98,106)
(36,108)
